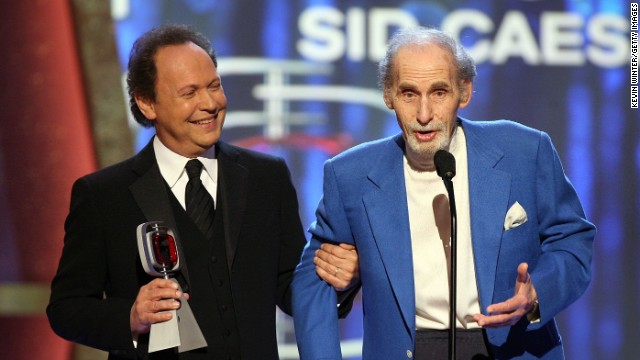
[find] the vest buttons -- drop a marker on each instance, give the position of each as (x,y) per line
(409,354)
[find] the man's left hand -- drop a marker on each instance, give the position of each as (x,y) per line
(337,265)
(509,312)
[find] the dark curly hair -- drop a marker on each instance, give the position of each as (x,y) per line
(142,72)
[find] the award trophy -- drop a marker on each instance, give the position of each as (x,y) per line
(159,254)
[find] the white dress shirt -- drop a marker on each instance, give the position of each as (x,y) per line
(172,169)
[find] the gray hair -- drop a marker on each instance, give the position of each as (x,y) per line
(419,37)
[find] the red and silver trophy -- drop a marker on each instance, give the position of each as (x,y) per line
(160,256)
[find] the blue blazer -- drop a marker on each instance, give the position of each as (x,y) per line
(365,203)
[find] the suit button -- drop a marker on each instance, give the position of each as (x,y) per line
(214,259)
(409,354)
(227,332)
(219,282)
(224,307)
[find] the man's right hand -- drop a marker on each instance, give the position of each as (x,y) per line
(338,265)
(152,304)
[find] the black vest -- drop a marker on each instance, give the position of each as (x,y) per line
(209,288)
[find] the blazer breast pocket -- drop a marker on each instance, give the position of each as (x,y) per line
(515,217)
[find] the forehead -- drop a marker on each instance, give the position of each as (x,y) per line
(179,60)
(424,62)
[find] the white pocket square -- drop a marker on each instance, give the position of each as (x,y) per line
(516,216)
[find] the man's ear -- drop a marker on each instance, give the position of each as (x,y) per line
(387,99)
(146,106)
(466,89)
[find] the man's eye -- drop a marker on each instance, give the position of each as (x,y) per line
(439,94)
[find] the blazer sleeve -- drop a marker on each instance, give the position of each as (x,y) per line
(315,312)
(563,271)
(77,310)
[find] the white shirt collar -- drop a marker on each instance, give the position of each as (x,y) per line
(172,164)
(455,148)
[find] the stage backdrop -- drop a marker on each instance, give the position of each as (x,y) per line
(300,77)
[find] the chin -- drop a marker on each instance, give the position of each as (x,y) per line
(426,151)
(212,137)
(427,155)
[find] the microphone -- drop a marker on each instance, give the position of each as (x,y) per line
(446,169)
(445,164)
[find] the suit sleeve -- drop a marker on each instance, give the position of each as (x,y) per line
(314,301)
(563,271)
(77,310)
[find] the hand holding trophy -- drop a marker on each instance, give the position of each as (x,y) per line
(160,256)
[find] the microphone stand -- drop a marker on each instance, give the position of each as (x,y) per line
(445,165)
(452,289)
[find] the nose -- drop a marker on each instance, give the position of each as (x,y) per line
(424,110)
(207,100)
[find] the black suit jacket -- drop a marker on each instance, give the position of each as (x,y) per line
(100,273)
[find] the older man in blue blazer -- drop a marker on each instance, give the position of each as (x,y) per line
(524,244)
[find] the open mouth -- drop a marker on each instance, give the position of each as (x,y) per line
(425,135)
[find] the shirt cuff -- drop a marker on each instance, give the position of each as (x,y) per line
(534,315)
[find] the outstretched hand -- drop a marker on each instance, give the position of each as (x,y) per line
(337,265)
(509,312)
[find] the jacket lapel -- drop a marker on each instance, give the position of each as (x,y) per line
(233,182)
(386,205)
(150,190)
(489,191)
(151,195)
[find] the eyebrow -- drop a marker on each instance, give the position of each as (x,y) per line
(406,85)
(440,85)
(436,85)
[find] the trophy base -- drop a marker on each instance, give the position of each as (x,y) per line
(182,331)
(164,335)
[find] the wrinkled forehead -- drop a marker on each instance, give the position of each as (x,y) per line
(426,59)
(430,52)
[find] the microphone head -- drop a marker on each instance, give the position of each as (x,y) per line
(445,164)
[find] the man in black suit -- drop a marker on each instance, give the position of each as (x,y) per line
(235,274)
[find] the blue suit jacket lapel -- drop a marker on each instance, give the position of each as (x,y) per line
(386,206)
(489,191)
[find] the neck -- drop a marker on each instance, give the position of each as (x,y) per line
(419,162)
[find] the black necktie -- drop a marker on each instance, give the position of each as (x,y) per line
(199,202)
